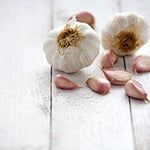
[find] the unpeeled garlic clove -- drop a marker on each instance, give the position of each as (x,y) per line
(109,59)
(117,76)
(85,17)
(141,64)
(63,83)
(135,90)
(99,85)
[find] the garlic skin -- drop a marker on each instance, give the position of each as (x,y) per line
(141,64)
(72,46)
(117,76)
(125,33)
(135,90)
(108,59)
(64,83)
(99,85)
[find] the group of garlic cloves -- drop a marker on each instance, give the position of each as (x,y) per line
(114,76)
(75,45)
(121,77)
(99,85)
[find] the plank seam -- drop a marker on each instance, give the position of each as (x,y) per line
(131,116)
(51,73)
(50,143)
(133,131)
(120,9)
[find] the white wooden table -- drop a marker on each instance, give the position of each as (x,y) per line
(34,115)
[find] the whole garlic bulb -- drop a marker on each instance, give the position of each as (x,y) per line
(72,46)
(125,33)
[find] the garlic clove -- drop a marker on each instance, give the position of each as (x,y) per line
(99,85)
(109,59)
(85,17)
(135,90)
(63,83)
(114,56)
(141,64)
(117,76)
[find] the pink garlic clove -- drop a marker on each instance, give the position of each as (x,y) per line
(109,59)
(117,76)
(85,17)
(114,56)
(63,83)
(99,85)
(141,64)
(135,90)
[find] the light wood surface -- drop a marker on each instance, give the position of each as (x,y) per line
(34,114)
(140,111)
(25,75)
(82,119)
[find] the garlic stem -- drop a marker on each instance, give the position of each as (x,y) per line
(68,37)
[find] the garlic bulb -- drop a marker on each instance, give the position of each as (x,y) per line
(72,46)
(125,34)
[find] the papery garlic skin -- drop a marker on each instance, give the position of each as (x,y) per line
(141,64)
(125,33)
(64,83)
(77,49)
(135,90)
(99,85)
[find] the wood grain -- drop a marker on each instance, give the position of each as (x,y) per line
(82,119)
(140,110)
(34,115)
(25,75)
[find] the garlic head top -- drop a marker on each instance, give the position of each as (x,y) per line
(125,33)
(72,46)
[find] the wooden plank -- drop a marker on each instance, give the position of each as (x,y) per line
(140,110)
(25,75)
(82,119)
